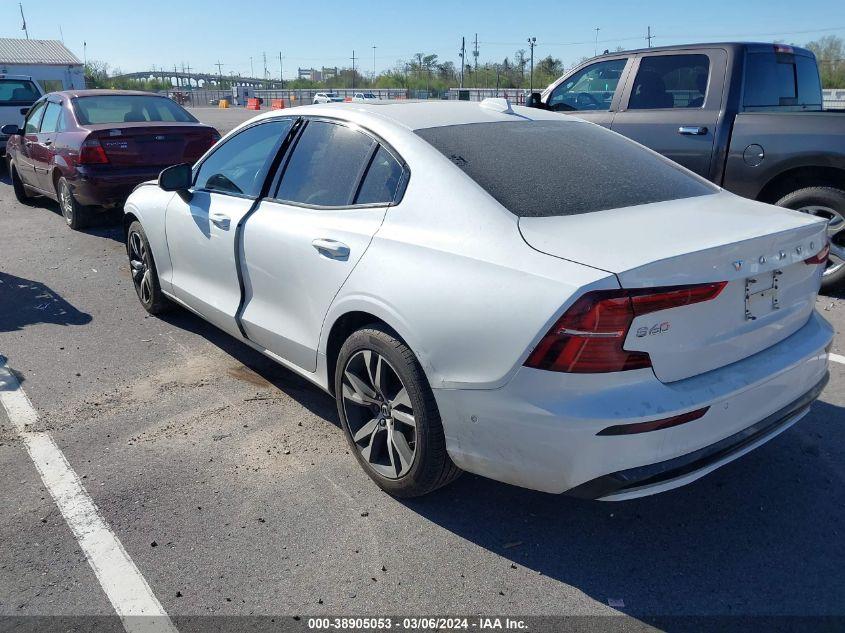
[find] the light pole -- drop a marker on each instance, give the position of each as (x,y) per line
(532,42)
(596,47)
(374,63)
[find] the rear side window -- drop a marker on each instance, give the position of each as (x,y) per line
(128,109)
(240,165)
(779,80)
(382,179)
(18,92)
(559,168)
(670,81)
(326,166)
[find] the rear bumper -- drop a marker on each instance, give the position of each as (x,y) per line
(540,430)
(107,186)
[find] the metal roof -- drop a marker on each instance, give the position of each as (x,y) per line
(16,51)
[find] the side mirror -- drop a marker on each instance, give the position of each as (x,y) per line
(177,178)
(535,100)
(10,130)
(25,111)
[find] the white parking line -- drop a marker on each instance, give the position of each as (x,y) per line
(125,587)
(836,358)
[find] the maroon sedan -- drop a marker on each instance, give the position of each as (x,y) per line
(88,149)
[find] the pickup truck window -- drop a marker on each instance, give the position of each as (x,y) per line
(590,89)
(18,92)
(670,81)
(775,80)
(561,168)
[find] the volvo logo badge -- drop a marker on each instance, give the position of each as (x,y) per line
(738,264)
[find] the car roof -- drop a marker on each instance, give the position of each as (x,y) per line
(416,115)
(105,92)
(736,46)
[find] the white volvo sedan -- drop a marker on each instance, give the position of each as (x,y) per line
(499,290)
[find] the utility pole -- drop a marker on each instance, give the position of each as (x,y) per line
(176,76)
(475,59)
(219,65)
(85,53)
(281,71)
(374,62)
(596,47)
(23,19)
(462,54)
(353,70)
(532,42)
(264,77)
(189,76)
(251,68)
(649,37)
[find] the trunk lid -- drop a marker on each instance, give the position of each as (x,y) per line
(758,249)
(153,145)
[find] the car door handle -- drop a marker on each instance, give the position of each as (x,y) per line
(220,220)
(692,130)
(331,248)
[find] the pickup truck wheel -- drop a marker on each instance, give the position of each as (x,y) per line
(827,203)
(76,215)
(389,414)
(17,184)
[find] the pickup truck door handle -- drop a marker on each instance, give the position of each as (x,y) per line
(331,248)
(220,220)
(692,130)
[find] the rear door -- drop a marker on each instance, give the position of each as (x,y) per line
(201,231)
(672,105)
(301,245)
(591,93)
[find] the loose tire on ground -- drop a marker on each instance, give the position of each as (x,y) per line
(404,396)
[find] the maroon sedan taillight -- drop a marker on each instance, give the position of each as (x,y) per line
(92,153)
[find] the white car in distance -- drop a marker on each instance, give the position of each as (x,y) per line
(496,289)
(327,97)
(364,97)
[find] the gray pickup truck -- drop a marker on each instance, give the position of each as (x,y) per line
(748,117)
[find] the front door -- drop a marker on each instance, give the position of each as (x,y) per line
(673,106)
(589,93)
(28,145)
(300,247)
(202,227)
(41,152)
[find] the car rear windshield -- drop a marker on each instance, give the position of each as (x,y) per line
(128,109)
(554,168)
(18,92)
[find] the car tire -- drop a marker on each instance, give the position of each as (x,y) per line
(829,203)
(402,448)
(17,185)
(143,270)
(76,215)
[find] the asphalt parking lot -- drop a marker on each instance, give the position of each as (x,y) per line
(228,482)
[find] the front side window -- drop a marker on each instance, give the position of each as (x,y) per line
(590,89)
(52,117)
(326,165)
(560,168)
(239,166)
(18,92)
(129,109)
(670,81)
(33,118)
(382,180)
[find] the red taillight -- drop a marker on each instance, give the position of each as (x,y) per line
(588,338)
(92,153)
(820,257)
(654,425)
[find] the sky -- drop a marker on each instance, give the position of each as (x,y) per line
(134,36)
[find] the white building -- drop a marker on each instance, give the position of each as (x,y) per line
(48,62)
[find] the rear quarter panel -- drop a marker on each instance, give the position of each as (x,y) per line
(788,140)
